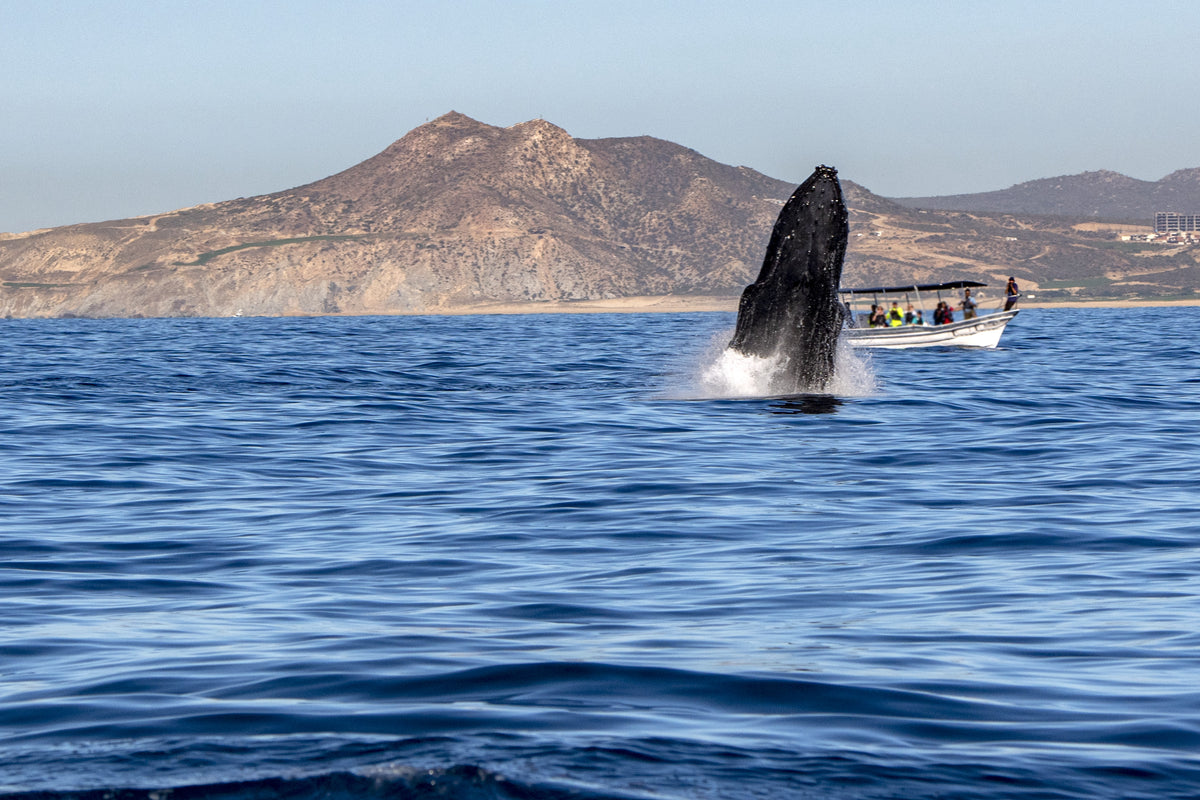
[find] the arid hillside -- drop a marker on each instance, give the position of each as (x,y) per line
(454,214)
(1053,258)
(460,215)
(1102,194)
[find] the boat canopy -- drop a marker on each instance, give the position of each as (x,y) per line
(920,287)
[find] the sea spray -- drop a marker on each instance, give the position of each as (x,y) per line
(720,371)
(853,374)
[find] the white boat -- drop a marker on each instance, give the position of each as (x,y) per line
(982,330)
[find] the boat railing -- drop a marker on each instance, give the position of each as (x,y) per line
(882,296)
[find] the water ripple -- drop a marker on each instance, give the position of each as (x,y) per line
(531,557)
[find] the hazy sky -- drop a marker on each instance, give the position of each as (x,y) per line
(111,109)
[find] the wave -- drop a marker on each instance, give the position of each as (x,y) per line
(468,558)
(566,697)
(460,782)
(670,769)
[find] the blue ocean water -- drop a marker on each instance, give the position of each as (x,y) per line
(535,557)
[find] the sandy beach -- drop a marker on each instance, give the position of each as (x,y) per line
(681,304)
(672,304)
(1111,304)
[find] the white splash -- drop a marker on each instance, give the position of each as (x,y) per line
(734,374)
(853,375)
(720,372)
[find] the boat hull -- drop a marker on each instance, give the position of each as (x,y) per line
(982,331)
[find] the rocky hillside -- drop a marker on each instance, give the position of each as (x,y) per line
(458,215)
(454,214)
(1053,258)
(1099,195)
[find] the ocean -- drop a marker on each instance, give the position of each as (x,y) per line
(583,556)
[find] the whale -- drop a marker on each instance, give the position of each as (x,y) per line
(791,312)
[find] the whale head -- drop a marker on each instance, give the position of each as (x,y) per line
(791,311)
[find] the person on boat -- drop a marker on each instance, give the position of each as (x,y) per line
(878,319)
(1011,293)
(920,318)
(910,317)
(895,317)
(968,305)
(941,314)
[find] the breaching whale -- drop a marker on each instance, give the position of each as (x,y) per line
(792,311)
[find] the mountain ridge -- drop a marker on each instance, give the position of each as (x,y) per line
(458,214)
(1099,194)
(455,212)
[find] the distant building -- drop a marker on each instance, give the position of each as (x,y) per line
(1170,222)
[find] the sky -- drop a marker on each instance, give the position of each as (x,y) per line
(111,109)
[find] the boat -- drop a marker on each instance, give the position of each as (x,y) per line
(982,330)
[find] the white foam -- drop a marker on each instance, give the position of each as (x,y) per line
(719,372)
(853,375)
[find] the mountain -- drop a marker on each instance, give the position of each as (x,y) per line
(1100,195)
(455,214)
(459,215)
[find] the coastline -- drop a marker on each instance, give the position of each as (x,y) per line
(675,304)
(1112,304)
(665,304)
(651,304)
